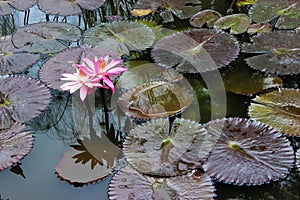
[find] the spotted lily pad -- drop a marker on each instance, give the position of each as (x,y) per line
(23,98)
(196,51)
(287,11)
(208,17)
(120,37)
(279,52)
(130,184)
(238,23)
(249,152)
(152,150)
(13,60)
(45,37)
(279,109)
(8,5)
(15,143)
(68,7)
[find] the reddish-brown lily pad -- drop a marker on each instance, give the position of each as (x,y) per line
(8,5)
(248,152)
(15,143)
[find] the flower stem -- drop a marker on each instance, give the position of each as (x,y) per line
(105,109)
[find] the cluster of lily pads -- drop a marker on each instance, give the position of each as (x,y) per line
(166,156)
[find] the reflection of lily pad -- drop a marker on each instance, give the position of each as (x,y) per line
(249,152)
(207,17)
(238,23)
(120,37)
(196,51)
(152,150)
(12,60)
(45,37)
(279,52)
(130,184)
(287,11)
(15,143)
(23,98)
(68,7)
(279,109)
(7,5)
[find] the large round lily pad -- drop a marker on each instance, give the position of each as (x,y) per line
(152,149)
(15,143)
(8,5)
(208,17)
(249,152)
(238,23)
(196,51)
(279,109)
(45,37)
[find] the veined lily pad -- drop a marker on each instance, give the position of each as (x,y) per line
(208,17)
(238,23)
(13,60)
(130,184)
(287,11)
(23,98)
(279,109)
(120,37)
(68,7)
(196,51)
(152,150)
(15,143)
(279,52)
(249,152)
(259,28)
(45,37)
(7,5)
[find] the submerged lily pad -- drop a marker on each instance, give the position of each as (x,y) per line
(130,184)
(23,98)
(279,52)
(13,60)
(287,11)
(68,7)
(196,51)
(45,37)
(238,23)
(279,109)
(152,150)
(8,5)
(208,17)
(120,37)
(249,152)
(15,143)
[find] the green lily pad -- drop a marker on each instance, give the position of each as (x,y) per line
(279,52)
(196,51)
(8,5)
(208,17)
(279,109)
(120,37)
(45,37)
(248,152)
(13,60)
(238,23)
(287,11)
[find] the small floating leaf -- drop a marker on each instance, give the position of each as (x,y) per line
(15,143)
(7,5)
(248,152)
(208,17)
(245,2)
(279,109)
(238,23)
(141,12)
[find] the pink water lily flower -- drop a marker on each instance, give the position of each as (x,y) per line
(80,80)
(99,67)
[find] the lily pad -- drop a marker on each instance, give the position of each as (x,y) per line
(8,5)
(249,152)
(45,37)
(130,184)
(208,17)
(23,98)
(152,149)
(259,28)
(15,143)
(287,11)
(13,60)
(238,23)
(68,7)
(279,109)
(196,51)
(245,2)
(120,37)
(279,52)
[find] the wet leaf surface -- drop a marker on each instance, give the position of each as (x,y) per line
(248,153)
(208,17)
(237,23)
(279,109)
(8,5)
(259,28)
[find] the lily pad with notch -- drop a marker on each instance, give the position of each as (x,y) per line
(237,23)
(208,17)
(22,5)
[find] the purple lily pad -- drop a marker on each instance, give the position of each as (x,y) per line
(15,143)
(7,5)
(249,152)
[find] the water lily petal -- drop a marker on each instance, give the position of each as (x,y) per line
(113,63)
(83,92)
(109,83)
(116,71)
